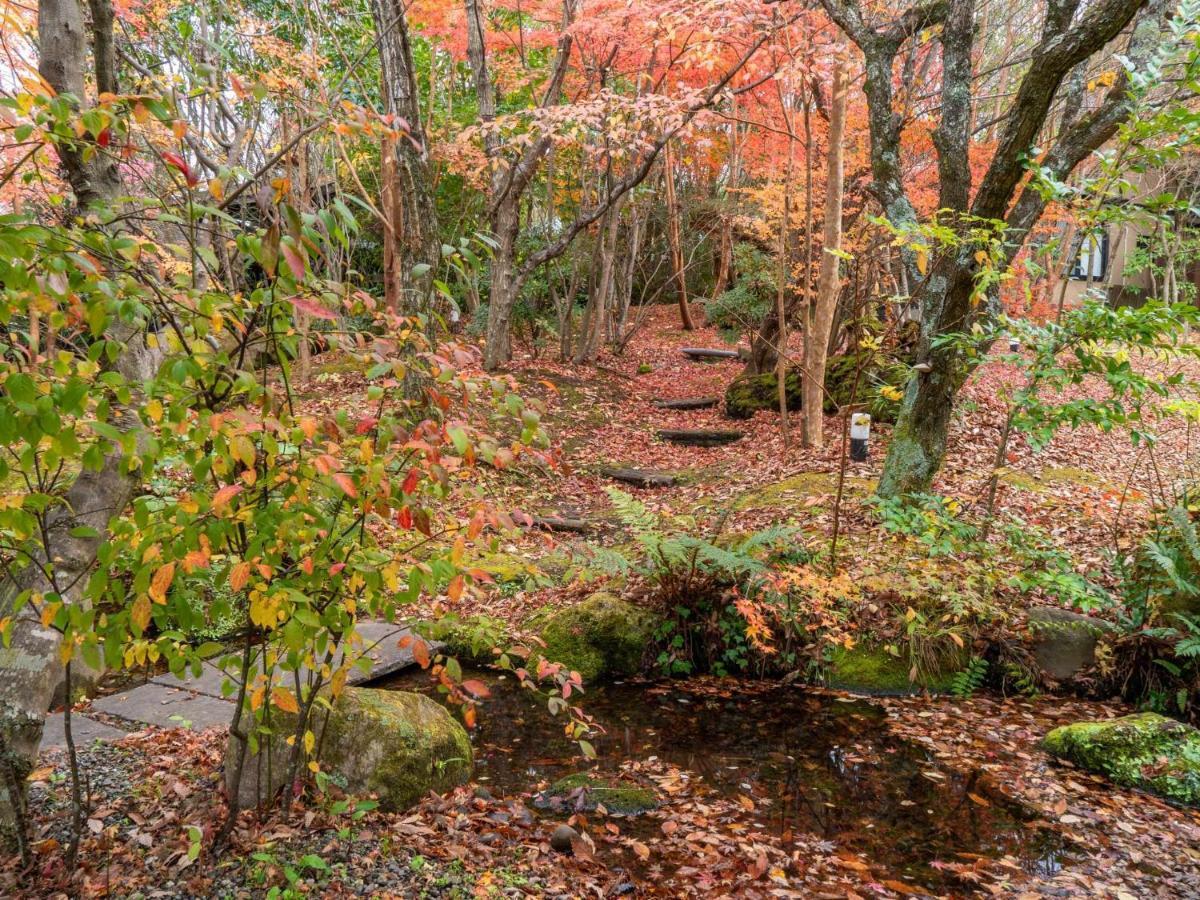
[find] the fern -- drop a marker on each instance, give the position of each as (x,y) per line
(632,513)
(1178,517)
(970,678)
(1021,678)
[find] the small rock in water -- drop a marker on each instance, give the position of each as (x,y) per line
(562,837)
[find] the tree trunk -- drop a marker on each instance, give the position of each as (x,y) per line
(1070,35)
(678,275)
(410,216)
(816,336)
(31,666)
(722,280)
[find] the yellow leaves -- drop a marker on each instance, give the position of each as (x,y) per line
(161,582)
(338,682)
(1104,79)
(139,613)
(264,609)
(888,392)
(310,742)
(284,700)
(154,411)
(241,448)
(922,260)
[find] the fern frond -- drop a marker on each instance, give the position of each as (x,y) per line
(632,513)
(1183,526)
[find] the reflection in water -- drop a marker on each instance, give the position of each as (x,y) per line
(811,763)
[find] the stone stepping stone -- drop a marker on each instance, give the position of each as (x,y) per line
(692,403)
(700,437)
(646,478)
(83,729)
(381,645)
(709,354)
(165,707)
(559,523)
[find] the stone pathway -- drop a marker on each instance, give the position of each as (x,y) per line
(168,701)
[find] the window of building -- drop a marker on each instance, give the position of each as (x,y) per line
(1092,259)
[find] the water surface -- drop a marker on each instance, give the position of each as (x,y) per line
(812,763)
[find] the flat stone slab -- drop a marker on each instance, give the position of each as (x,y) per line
(709,353)
(700,437)
(166,707)
(83,729)
(690,403)
(645,478)
(381,641)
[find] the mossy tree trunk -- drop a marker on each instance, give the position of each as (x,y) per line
(1069,37)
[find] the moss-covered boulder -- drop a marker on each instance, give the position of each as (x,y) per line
(874,671)
(583,792)
(879,371)
(395,744)
(747,394)
(1145,750)
(601,637)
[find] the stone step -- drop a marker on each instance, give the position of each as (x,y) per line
(171,701)
(84,730)
(692,403)
(700,437)
(557,523)
(645,478)
(708,354)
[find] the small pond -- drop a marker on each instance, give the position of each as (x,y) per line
(826,766)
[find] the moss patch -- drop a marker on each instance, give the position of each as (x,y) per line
(1145,750)
(748,394)
(1052,477)
(800,487)
(602,637)
(872,670)
(584,791)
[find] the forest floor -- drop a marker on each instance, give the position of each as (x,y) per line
(1089,490)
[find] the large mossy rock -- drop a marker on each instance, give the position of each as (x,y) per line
(747,394)
(878,371)
(1145,750)
(602,637)
(394,744)
(872,670)
(583,792)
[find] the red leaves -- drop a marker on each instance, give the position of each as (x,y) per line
(307,305)
(226,494)
(179,164)
(295,263)
(476,688)
(410,482)
(346,483)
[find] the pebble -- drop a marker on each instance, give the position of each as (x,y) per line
(562,837)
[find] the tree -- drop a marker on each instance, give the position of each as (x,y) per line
(509,178)
(1001,204)
(820,319)
(31,665)
(409,214)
